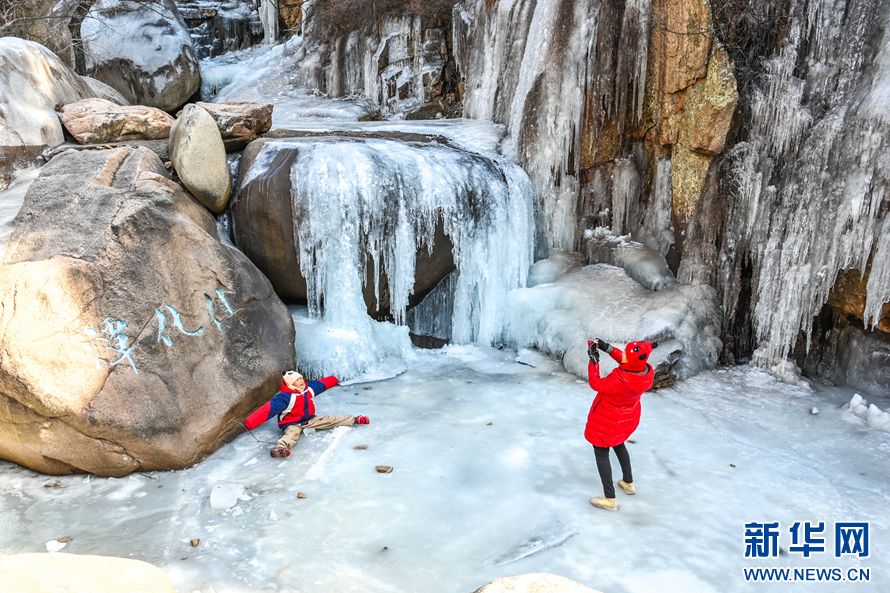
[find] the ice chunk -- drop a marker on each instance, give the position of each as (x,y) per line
(225,495)
(54,545)
(877,418)
(640,262)
(548,270)
(858,405)
(548,535)
(873,415)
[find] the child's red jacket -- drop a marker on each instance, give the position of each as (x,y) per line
(290,405)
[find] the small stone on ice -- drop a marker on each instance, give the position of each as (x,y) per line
(368,387)
(814,411)
(195,542)
(301,495)
(384,469)
(62,540)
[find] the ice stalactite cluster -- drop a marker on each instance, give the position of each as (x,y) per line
(539,67)
(811,178)
(375,203)
(395,67)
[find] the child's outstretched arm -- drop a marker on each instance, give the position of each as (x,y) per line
(271,408)
(323,385)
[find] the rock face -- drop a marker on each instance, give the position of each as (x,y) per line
(93,121)
(540,582)
(132,337)
(32,82)
(199,157)
(144,51)
(239,122)
(75,573)
(850,297)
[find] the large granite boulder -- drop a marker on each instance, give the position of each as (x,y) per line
(199,157)
(132,337)
(142,50)
(76,573)
(239,122)
(97,121)
(280,186)
(33,81)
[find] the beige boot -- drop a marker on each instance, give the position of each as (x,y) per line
(601,502)
(627,487)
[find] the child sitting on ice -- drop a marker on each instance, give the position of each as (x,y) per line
(295,410)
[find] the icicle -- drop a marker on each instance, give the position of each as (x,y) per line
(811,177)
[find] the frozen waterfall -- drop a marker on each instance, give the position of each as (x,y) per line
(547,70)
(374,203)
(811,179)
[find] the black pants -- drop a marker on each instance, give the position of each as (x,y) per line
(605,467)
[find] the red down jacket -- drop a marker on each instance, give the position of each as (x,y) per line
(615,412)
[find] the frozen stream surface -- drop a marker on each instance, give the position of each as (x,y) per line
(492,478)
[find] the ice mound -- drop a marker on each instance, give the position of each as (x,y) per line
(602,301)
(873,415)
(364,351)
(641,263)
(550,269)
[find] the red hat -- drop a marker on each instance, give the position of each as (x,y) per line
(637,353)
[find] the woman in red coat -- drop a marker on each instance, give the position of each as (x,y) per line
(615,412)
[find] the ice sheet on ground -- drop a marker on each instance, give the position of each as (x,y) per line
(551,534)
(464,491)
(602,301)
(225,495)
